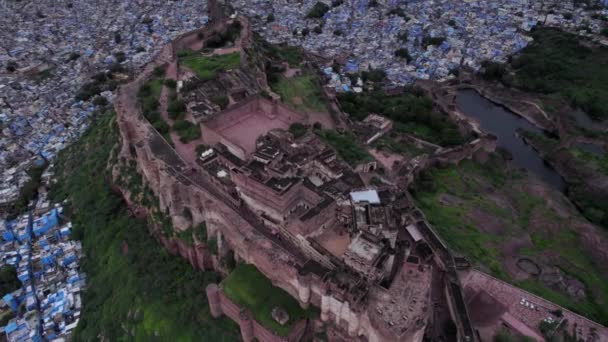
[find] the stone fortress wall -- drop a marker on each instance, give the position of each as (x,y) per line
(179,185)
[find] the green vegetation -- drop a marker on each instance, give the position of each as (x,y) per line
(388,142)
(428,40)
(301,92)
(187,131)
(403,53)
(297,129)
(290,54)
(346,146)
(171,83)
(11,66)
(493,70)
(29,191)
(8,280)
(559,63)
(373,75)
(318,10)
(581,163)
(596,162)
(221,101)
(208,67)
(148,96)
(479,209)
(144,294)
(176,109)
(248,287)
(412,112)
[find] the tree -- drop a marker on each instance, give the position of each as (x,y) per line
(171,83)
(318,10)
(8,279)
(373,75)
(11,66)
(120,56)
(403,53)
(74,56)
(428,40)
(100,101)
(161,126)
(270,18)
(159,71)
(493,70)
(221,101)
(297,129)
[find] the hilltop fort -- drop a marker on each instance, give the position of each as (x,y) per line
(236,175)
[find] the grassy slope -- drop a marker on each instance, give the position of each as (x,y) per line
(207,68)
(153,295)
(250,288)
(473,184)
(306,88)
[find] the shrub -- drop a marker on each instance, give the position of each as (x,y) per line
(187,131)
(161,126)
(176,109)
(318,10)
(74,56)
(100,101)
(373,75)
(87,91)
(221,101)
(493,70)
(297,129)
(403,53)
(159,71)
(120,56)
(171,83)
(428,40)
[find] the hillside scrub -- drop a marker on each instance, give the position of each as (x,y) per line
(560,64)
(481,210)
(144,294)
(346,146)
(412,112)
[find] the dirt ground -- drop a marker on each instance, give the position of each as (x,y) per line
(335,243)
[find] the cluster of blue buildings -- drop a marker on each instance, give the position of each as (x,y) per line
(467,32)
(48,305)
(69,44)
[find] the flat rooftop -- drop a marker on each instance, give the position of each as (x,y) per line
(334,241)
